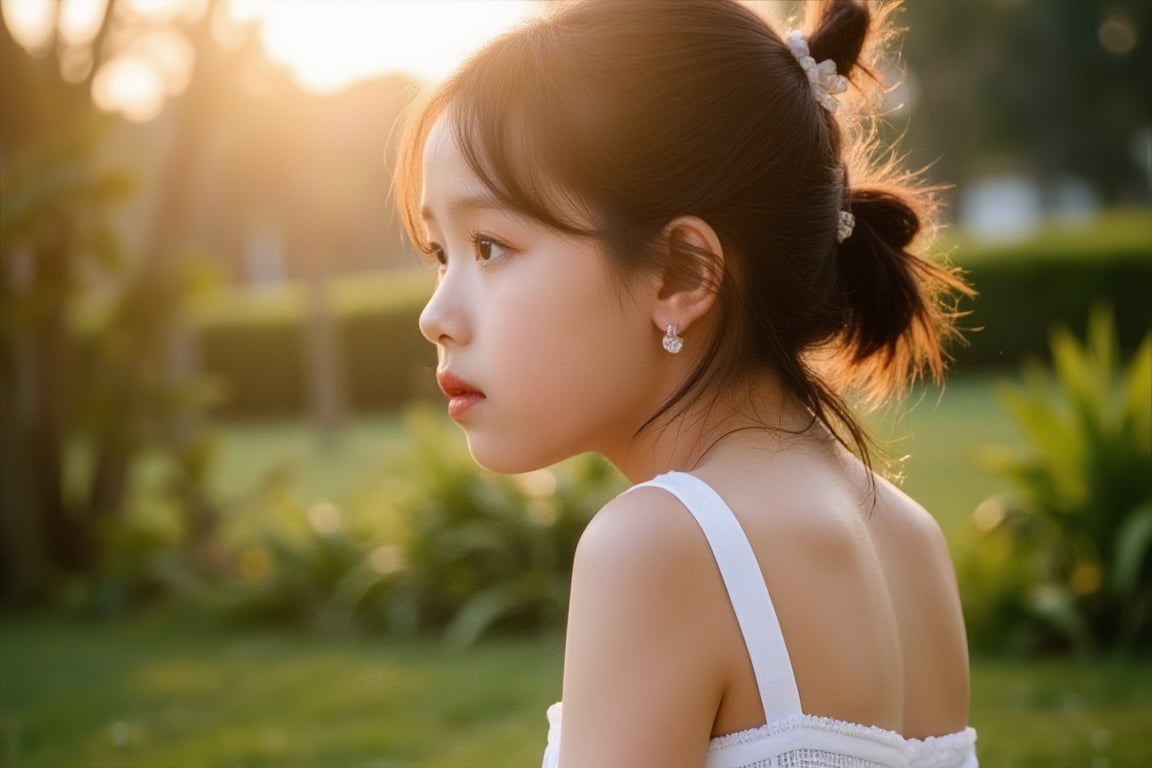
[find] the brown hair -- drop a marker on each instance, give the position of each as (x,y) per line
(644,111)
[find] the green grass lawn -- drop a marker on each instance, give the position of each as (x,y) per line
(171,693)
(168,694)
(360,457)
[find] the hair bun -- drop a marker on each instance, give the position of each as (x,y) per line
(839,33)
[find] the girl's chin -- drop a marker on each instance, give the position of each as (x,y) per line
(505,465)
(505,459)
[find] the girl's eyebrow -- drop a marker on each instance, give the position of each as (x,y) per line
(458,205)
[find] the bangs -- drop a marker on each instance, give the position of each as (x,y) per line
(517,130)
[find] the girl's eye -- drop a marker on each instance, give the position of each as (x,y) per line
(434,254)
(486,248)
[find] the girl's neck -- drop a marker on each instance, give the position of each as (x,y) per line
(759,416)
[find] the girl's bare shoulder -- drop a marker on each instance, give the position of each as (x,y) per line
(901,522)
(645,528)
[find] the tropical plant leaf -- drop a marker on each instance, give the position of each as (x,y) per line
(1103,349)
(1137,393)
(1133,550)
(1056,606)
(483,611)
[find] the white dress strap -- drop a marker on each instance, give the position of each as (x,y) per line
(746,589)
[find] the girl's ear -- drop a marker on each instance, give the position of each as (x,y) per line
(690,282)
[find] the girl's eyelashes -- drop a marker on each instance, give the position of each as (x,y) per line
(486,249)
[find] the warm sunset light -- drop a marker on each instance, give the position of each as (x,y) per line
(326,44)
(329,44)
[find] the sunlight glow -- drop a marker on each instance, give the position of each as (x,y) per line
(168,10)
(29,21)
(79,20)
(330,44)
(326,44)
(138,81)
(130,85)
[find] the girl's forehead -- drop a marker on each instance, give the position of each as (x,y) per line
(446,173)
(442,155)
(440,141)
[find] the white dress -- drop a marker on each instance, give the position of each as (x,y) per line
(789,738)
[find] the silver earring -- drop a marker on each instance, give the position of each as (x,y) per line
(672,342)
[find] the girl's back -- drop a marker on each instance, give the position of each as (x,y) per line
(862,589)
(865,594)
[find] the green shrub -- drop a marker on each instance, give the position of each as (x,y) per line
(168,527)
(1066,561)
(486,551)
(287,562)
(441,548)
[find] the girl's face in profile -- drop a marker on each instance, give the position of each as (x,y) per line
(542,352)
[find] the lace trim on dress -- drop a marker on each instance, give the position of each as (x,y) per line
(941,751)
(944,750)
(814,758)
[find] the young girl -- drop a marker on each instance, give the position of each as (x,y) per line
(659,238)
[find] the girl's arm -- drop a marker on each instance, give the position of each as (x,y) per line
(642,680)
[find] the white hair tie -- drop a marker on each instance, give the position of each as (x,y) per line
(844,226)
(822,77)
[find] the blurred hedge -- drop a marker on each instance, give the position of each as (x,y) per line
(1025,289)
(255,344)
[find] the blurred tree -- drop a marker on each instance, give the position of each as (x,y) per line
(54,234)
(47,128)
(1048,88)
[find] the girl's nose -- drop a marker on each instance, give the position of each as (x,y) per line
(442,321)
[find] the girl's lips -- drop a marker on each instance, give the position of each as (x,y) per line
(461,404)
(462,396)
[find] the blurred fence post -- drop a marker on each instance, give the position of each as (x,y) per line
(324,360)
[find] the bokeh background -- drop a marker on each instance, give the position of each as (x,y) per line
(235,527)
